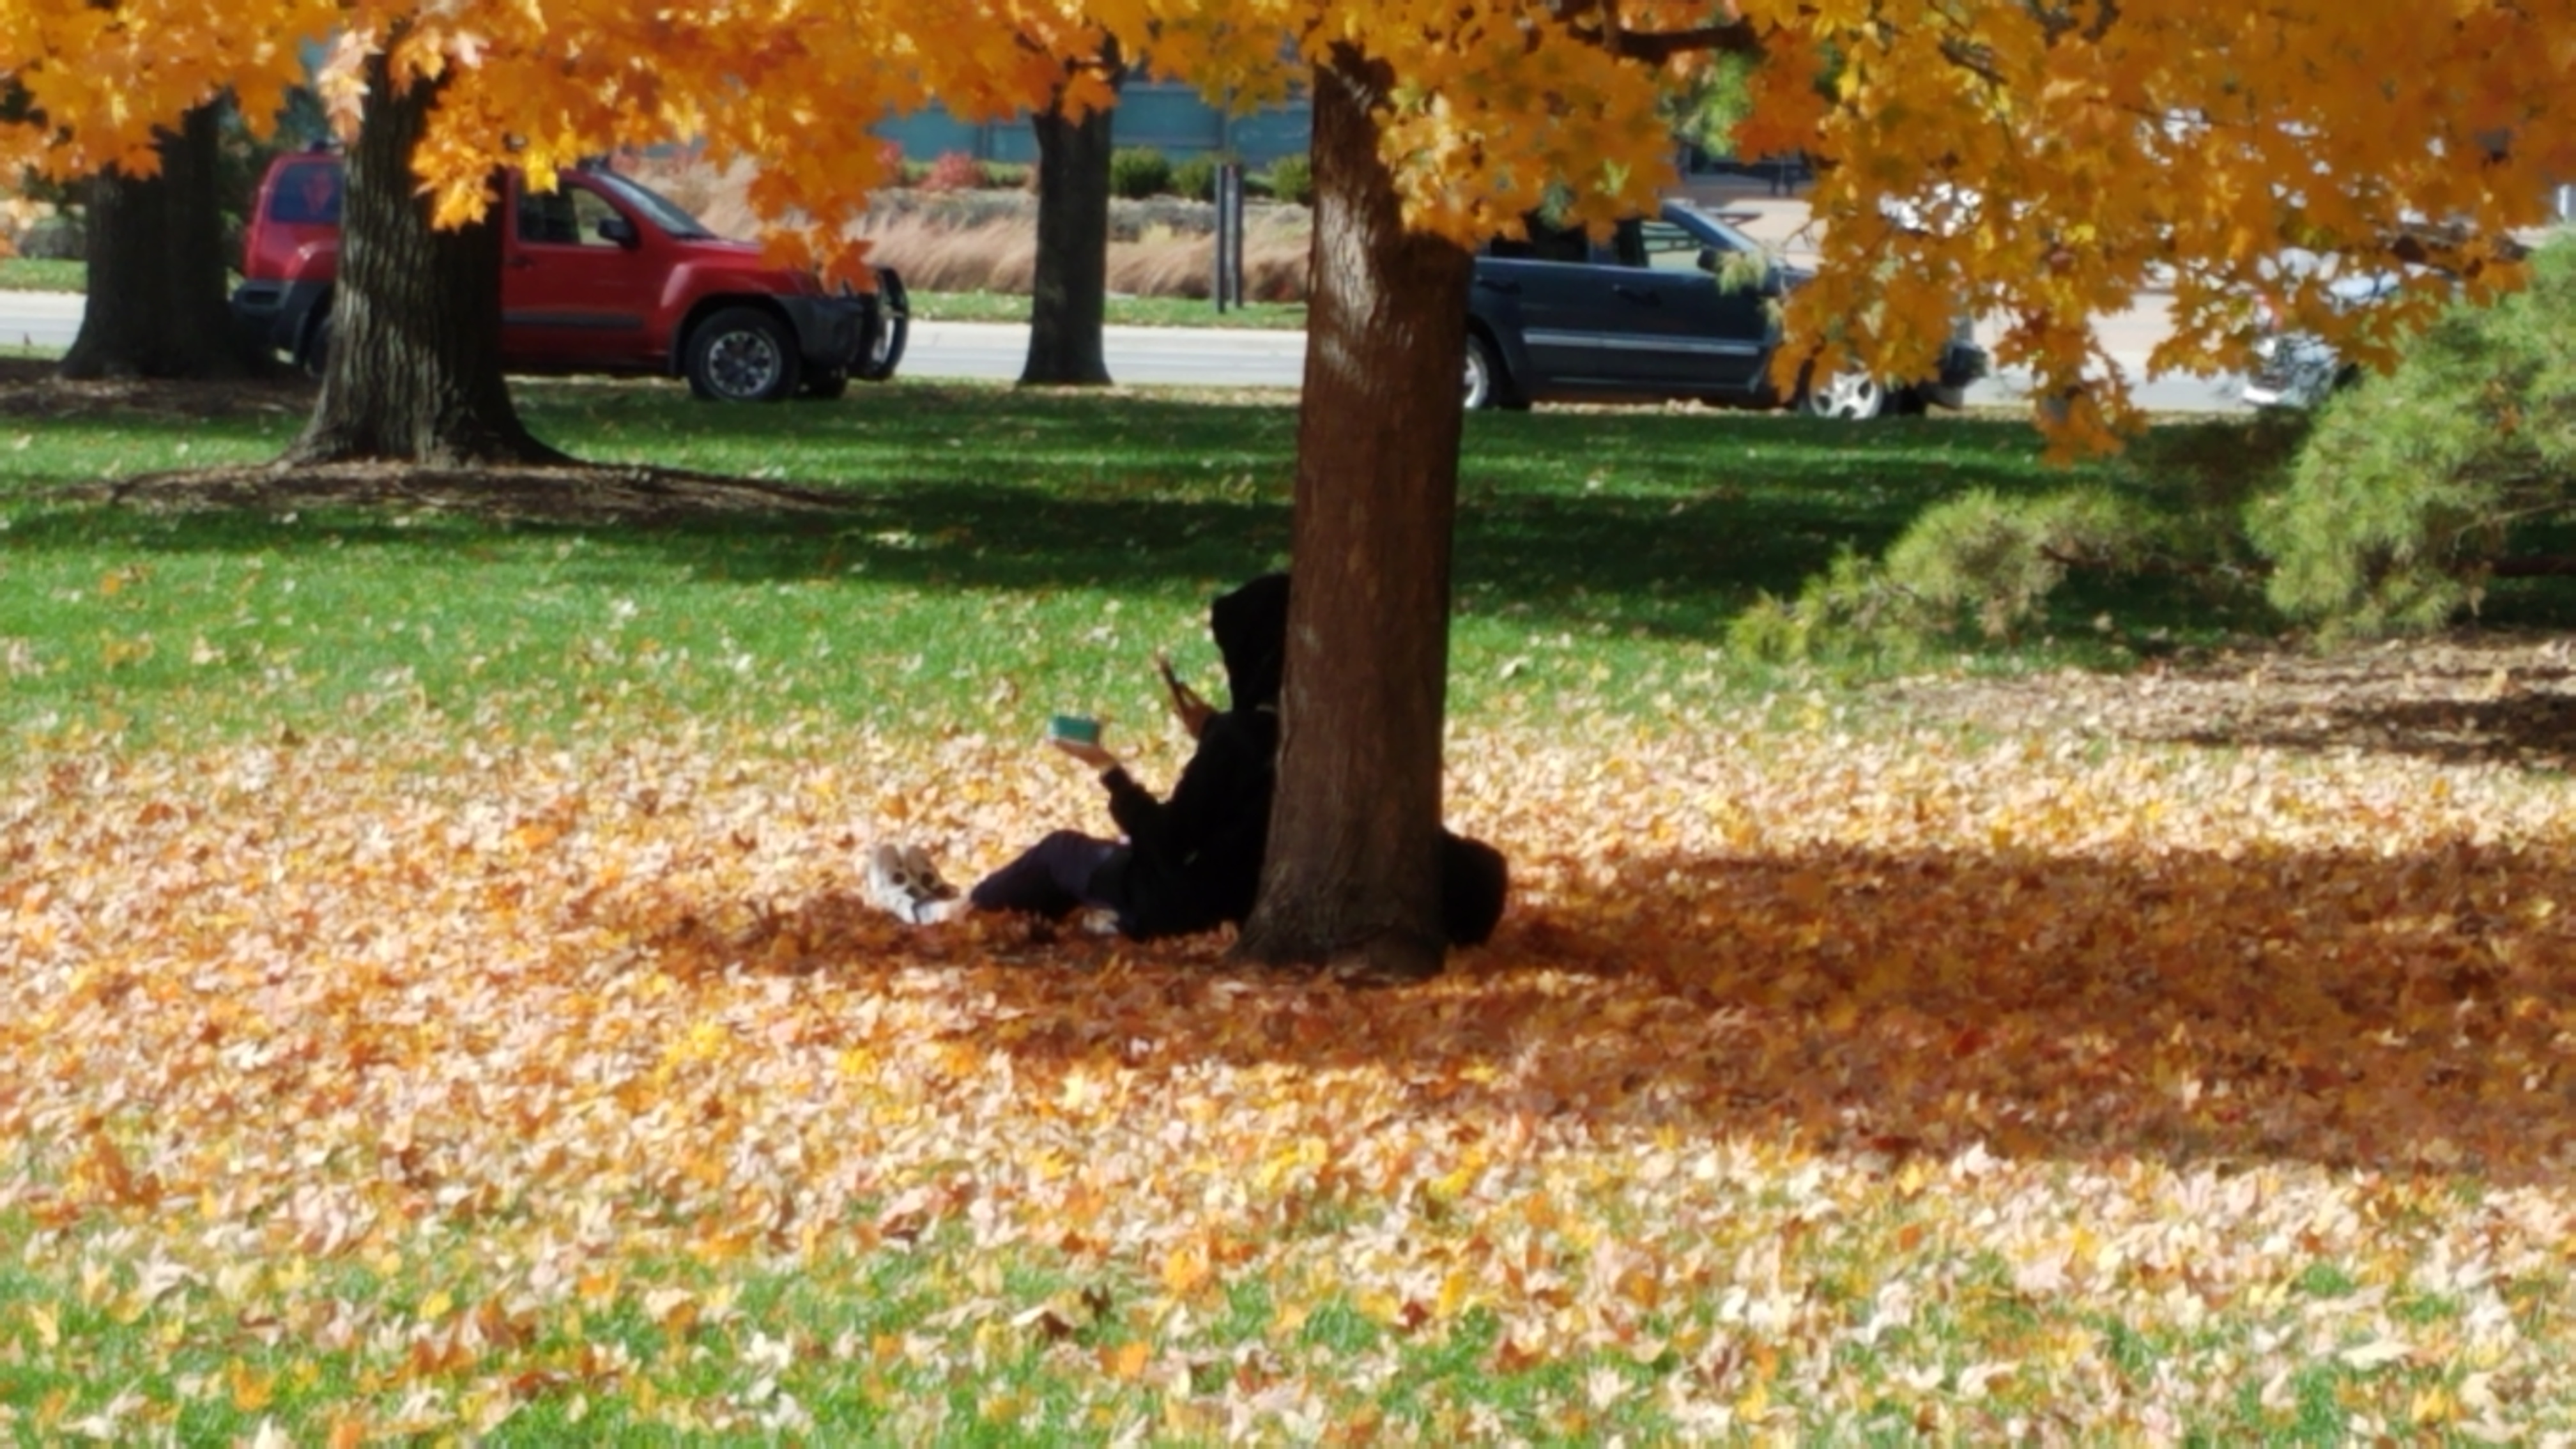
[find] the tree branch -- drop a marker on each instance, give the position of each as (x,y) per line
(1735,37)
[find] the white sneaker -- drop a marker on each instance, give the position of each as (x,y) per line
(925,876)
(901,881)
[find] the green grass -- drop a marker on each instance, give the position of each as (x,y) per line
(997,546)
(22,274)
(32,274)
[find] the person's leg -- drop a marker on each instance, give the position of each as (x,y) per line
(1051,878)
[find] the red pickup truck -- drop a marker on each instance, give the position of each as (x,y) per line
(601,275)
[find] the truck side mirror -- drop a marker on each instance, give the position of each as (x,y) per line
(617,229)
(1708,260)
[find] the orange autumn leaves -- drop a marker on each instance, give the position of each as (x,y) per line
(2040,166)
(2138,1029)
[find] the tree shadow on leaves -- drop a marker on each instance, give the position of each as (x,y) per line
(2344,1009)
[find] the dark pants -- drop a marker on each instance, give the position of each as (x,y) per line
(1051,878)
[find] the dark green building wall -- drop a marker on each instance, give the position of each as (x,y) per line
(1170,118)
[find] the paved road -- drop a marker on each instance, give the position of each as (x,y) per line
(1224,357)
(39,319)
(1231,358)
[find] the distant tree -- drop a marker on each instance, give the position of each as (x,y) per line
(1069,293)
(156,304)
(413,367)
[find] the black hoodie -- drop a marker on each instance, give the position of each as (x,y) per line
(1193,861)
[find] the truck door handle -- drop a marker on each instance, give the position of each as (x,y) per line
(1647,295)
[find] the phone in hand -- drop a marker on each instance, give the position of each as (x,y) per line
(1080,729)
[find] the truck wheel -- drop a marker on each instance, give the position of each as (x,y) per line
(825,384)
(315,355)
(741,354)
(894,327)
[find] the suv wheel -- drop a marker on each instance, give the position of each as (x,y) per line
(741,354)
(1488,385)
(1856,396)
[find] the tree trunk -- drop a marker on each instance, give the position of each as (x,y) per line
(1069,292)
(1352,882)
(413,372)
(156,268)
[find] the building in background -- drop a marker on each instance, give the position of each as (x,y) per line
(1168,117)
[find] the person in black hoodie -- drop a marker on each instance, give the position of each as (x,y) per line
(1193,861)
(1188,863)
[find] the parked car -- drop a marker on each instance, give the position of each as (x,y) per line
(600,275)
(1678,305)
(2295,369)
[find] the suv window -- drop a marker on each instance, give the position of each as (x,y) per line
(569,216)
(1545,243)
(1667,247)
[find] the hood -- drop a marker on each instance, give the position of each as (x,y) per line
(1251,629)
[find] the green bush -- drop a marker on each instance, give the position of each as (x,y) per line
(1292,179)
(1195,178)
(1981,561)
(1137,172)
(2412,488)
(1009,175)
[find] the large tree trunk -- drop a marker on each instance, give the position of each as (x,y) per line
(1069,293)
(156,268)
(414,366)
(1352,882)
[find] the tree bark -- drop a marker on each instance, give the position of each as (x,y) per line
(413,372)
(1352,880)
(1069,292)
(156,268)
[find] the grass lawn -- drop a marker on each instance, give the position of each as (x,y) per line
(439,1003)
(987,534)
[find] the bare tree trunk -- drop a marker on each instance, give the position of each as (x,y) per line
(156,268)
(414,365)
(1071,286)
(1352,882)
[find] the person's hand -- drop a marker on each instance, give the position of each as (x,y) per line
(1089,752)
(1187,706)
(1192,711)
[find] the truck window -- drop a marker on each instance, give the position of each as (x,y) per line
(568,216)
(307,194)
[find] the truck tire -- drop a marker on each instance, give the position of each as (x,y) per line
(894,327)
(741,354)
(314,356)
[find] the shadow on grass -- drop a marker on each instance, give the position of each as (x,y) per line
(2347,1010)
(1657,522)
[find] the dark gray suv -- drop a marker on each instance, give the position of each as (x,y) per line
(1679,305)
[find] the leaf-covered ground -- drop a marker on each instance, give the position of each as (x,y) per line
(1823,1082)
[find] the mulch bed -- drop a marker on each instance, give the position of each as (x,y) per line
(576,493)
